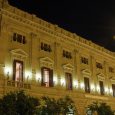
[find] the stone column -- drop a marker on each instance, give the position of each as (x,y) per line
(33,56)
(57,61)
(78,57)
(93,73)
(75,76)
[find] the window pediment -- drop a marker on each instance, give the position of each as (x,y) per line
(101,76)
(46,62)
(68,67)
(112,79)
(86,72)
(19,52)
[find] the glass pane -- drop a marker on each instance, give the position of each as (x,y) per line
(18,75)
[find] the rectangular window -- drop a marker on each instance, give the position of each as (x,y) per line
(111,70)
(47,77)
(99,65)
(68,81)
(87,85)
(18,70)
(113,88)
(84,60)
(19,38)
(101,87)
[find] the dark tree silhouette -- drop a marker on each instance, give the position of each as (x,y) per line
(17,103)
(100,108)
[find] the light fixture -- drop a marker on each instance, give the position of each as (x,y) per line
(75,83)
(82,85)
(63,82)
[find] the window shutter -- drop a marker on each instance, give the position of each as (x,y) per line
(51,78)
(14,69)
(87,87)
(113,88)
(42,75)
(101,87)
(22,71)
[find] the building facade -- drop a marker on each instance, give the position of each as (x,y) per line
(44,59)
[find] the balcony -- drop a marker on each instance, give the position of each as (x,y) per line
(18,84)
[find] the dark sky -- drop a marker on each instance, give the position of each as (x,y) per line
(93,20)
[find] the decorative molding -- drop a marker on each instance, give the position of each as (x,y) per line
(101,76)
(68,68)
(40,24)
(2,65)
(96,97)
(112,79)
(19,53)
(86,72)
(46,62)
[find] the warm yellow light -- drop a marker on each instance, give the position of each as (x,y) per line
(55,80)
(38,77)
(106,90)
(8,71)
(63,82)
(111,90)
(75,83)
(98,88)
(28,75)
(92,87)
(82,85)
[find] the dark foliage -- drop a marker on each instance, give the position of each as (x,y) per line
(101,108)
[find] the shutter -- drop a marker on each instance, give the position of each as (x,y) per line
(101,87)
(51,78)
(42,75)
(22,71)
(70,82)
(87,87)
(14,69)
(113,88)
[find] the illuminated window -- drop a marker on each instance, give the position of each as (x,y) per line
(87,85)
(47,77)
(18,70)
(113,88)
(68,81)
(101,87)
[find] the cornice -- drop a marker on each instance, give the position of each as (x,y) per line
(61,34)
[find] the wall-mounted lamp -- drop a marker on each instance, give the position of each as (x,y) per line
(82,86)
(92,87)
(8,75)
(63,82)
(98,89)
(39,80)
(110,91)
(75,83)
(27,78)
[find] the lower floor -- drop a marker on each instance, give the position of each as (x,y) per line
(81,99)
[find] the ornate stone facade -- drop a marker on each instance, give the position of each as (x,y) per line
(30,46)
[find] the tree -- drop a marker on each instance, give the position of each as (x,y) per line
(101,108)
(48,106)
(17,103)
(66,105)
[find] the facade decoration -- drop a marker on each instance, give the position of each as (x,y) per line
(44,59)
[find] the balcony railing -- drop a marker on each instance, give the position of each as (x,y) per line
(18,84)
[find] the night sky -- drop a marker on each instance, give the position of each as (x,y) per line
(92,20)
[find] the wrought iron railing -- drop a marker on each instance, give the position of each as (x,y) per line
(19,84)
